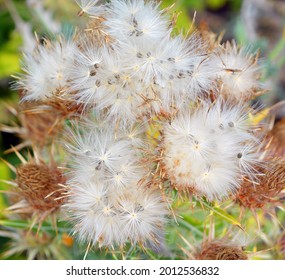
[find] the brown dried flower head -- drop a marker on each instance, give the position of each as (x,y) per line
(39,186)
(269,187)
(37,126)
(216,250)
(41,122)
(40,127)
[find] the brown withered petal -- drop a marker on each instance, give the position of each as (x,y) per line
(38,184)
(218,251)
(270,185)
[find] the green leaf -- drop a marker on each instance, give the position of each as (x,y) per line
(9,64)
(4,175)
(183,21)
(10,56)
(216,4)
(22,224)
(222,213)
(193,4)
(277,54)
(186,222)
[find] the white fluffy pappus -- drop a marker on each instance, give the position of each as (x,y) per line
(46,70)
(108,217)
(238,71)
(90,209)
(196,73)
(143,214)
(147,61)
(138,19)
(107,200)
(85,82)
(205,149)
(98,79)
(89,7)
(96,153)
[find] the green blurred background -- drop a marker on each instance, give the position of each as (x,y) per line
(259,24)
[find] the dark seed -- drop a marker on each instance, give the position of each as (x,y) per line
(239,155)
(99,165)
(135,22)
(93,73)
(231,124)
(139,33)
(139,55)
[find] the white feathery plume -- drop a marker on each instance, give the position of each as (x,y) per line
(237,70)
(203,152)
(46,70)
(136,19)
(89,7)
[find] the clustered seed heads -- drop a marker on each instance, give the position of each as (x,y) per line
(158,111)
(138,68)
(107,198)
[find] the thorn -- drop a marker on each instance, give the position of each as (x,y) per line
(13,168)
